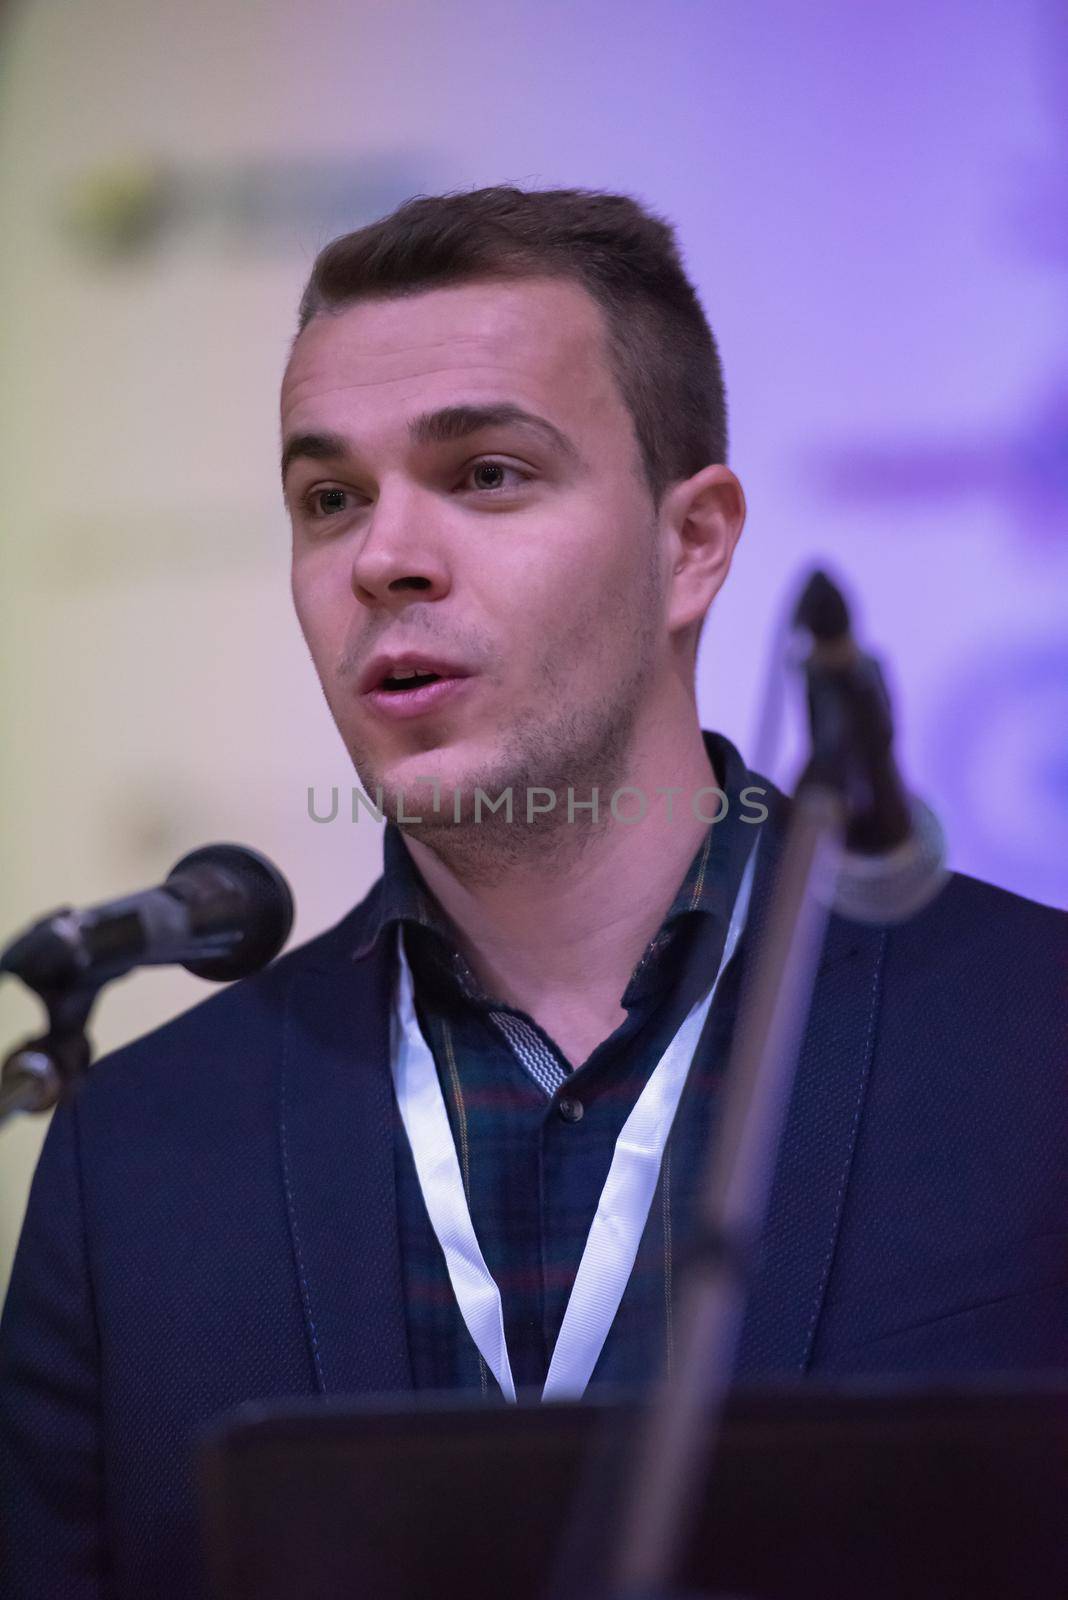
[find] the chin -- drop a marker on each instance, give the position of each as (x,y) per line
(415,778)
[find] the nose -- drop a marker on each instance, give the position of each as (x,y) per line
(400,555)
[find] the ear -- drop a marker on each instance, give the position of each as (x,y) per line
(701,522)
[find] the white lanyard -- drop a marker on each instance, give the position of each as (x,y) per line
(617,1227)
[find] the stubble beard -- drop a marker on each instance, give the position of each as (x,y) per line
(555,745)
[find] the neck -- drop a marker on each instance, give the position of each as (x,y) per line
(560,933)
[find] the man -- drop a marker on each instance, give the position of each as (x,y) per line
(504,453)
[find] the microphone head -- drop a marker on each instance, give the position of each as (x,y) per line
(892,885)
(268,901)
(822,609)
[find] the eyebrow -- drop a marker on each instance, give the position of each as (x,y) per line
(445,426)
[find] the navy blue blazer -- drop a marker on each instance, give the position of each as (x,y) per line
(214,1219)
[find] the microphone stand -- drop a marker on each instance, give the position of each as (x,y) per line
(680,1430)
(41,1071)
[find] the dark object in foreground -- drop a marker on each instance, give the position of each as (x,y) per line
(828,1492)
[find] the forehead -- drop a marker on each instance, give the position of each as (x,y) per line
(538,342)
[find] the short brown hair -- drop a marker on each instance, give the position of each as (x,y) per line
(662,351)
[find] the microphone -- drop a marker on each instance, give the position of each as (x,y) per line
(893,861)
(223,912)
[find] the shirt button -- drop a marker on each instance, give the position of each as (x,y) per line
(571,1110)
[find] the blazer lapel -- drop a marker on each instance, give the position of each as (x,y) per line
(336,1128)
(811,1179)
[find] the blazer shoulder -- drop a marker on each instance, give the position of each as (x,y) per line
(986,971)
(983,921)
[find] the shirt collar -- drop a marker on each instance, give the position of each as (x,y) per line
(709,886)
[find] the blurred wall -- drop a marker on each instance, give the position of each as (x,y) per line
(872,202)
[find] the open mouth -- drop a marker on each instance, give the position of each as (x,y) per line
(415,694)
(409,680)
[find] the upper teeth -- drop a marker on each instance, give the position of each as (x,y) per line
(407,672)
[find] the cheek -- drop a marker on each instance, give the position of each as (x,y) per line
(570,635)
(318,612)
(305,611)
(561,565)
(591,586)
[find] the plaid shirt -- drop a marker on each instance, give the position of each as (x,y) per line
(535,1137)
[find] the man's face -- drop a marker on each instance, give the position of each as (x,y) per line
(528,561)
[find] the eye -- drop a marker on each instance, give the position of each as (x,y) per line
(328,502)
(500,468)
